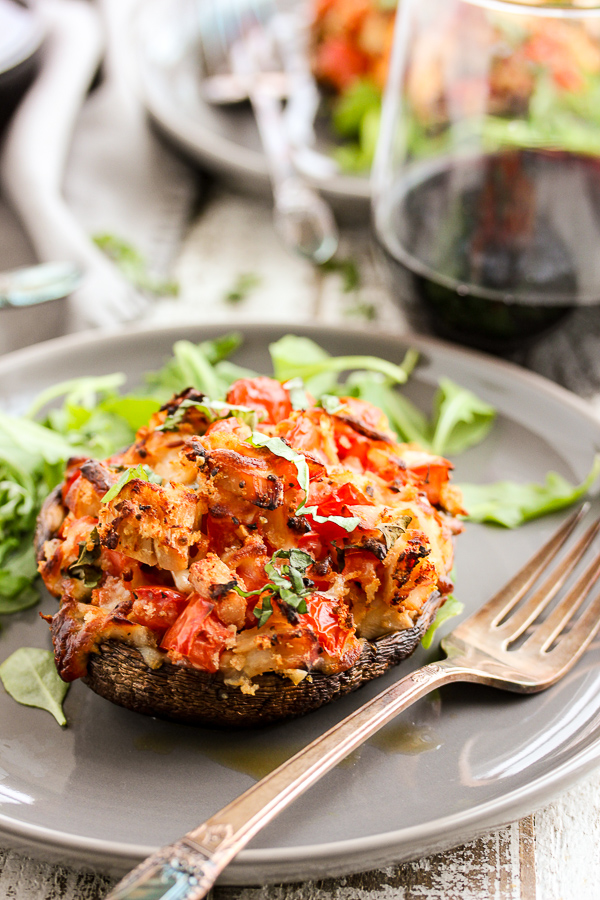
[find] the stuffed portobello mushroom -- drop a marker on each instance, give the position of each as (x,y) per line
(245,561)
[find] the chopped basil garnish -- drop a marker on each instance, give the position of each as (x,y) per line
(330,403)
(86,567)
(280,448)
(297,391)
(212,410)
(287,582)
(391,531)
(144,473)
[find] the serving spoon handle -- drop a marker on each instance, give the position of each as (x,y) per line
(187,869)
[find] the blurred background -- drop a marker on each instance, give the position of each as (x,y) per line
(178,160)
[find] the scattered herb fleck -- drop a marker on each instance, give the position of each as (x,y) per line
(245,283)
(347,268)
(133,266)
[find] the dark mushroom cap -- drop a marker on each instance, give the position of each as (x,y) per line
(182,693)
(185,694)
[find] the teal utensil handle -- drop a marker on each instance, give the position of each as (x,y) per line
(181,871)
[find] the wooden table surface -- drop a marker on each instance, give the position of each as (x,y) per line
(553,853)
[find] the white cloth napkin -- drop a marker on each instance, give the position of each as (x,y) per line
(73,167)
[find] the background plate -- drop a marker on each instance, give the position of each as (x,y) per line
(114,784)
(223,140)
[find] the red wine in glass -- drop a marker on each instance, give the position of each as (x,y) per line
(492,250)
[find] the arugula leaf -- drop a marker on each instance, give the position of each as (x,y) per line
(196,365)
(461,419)
(406,419)
(452,607)
(17,572)
(300,357)
(77,391)
(20,436)
(510,504)
(29,675)
(129,474)
(291,352)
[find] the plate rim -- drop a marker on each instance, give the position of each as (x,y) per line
(282,863)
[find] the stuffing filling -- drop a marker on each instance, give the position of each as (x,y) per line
(250,537)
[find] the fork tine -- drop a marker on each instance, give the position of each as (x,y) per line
(516,624)
(549,630)
(507,597)
(572,645)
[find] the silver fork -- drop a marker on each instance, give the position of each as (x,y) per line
(239,38)
(477,650)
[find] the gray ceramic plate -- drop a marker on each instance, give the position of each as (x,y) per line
(222,139)
(114,784)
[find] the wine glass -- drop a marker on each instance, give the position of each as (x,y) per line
(486,181)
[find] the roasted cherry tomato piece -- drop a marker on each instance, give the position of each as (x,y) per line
(312,544)
(432,477)
(230,424)
(335,631)
(158,607)
(267,396)
(197,635)
(350,443)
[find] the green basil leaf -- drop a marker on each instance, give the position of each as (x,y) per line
(330,403)
(297,391)
(29,675)
(263,611)
(299,559)
(280,448)
(141,472)
(348,523)
(212,410)
(86,566)
(391,531)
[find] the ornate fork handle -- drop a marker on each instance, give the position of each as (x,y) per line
(187,869)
